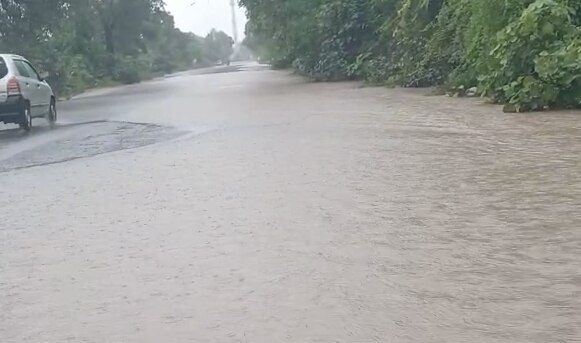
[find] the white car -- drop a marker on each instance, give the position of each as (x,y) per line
(24,94)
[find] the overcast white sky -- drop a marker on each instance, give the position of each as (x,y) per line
(204,15)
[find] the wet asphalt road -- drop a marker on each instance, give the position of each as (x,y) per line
(251,206)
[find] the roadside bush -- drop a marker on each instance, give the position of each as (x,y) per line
(524,53)
(130,70)
(537,62)
(164,65)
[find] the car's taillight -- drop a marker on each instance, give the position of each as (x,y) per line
(13,87)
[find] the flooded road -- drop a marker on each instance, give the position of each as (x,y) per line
(255,207)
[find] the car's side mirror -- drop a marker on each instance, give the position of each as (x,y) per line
(44,76)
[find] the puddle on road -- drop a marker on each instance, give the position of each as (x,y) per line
(90,140)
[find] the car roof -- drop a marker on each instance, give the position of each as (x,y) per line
(12,56)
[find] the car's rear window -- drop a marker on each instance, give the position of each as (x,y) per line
(3,68)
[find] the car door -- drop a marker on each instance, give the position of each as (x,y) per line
(28,86)
(43,90)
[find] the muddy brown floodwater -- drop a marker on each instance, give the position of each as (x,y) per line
(292,212)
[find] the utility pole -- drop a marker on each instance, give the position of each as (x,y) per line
(234,22)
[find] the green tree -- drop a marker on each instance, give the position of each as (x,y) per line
(85,43)
(218,46)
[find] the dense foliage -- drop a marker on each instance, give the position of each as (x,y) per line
(524,53)
(85,43)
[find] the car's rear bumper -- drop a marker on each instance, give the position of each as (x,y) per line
(12,107)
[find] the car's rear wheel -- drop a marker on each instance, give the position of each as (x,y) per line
(52,114)
(26,118)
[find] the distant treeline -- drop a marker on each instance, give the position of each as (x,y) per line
(88,43)
(523,53)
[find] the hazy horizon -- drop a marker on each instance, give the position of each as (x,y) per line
(204,15)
